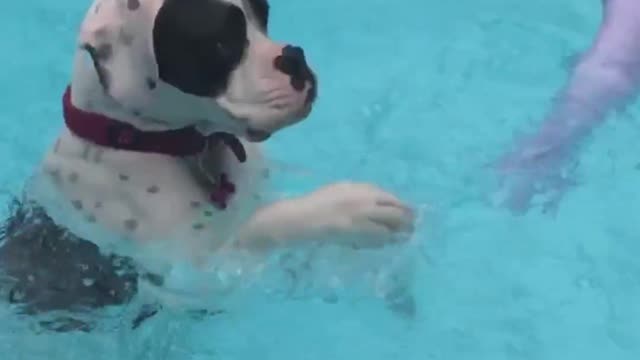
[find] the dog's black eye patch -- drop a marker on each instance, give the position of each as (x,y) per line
(198,43)
(261,10)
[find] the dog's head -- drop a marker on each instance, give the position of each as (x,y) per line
(208,63)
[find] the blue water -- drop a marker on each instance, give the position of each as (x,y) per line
(416,95)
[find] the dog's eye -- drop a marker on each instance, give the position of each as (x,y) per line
(261,10)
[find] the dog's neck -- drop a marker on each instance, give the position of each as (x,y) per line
(88,95)
(90,112)
(109,132)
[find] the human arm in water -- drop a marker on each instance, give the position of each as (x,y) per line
(605,79)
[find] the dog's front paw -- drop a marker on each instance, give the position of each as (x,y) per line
(361,215)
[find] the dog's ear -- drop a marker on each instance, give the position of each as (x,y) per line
(99,40)
(99,55)
(198,43)
(260,9)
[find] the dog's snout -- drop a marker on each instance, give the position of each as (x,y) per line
(292,62)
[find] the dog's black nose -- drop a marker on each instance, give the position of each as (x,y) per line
(293,63)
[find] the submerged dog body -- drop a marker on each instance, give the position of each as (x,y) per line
(167,105)
(606,78)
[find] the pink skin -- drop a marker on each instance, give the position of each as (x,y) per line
(606,79)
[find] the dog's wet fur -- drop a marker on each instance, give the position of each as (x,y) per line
(44,267)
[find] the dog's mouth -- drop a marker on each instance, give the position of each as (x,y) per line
(233,143)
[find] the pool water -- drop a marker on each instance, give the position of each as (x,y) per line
(416,96)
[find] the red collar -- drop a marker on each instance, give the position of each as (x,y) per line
(112,133)
(108,132)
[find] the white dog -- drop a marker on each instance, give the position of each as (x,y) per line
(168,102)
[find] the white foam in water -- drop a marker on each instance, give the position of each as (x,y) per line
(329,273)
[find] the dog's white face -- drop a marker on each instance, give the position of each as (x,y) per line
(208,61)
(220,49)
